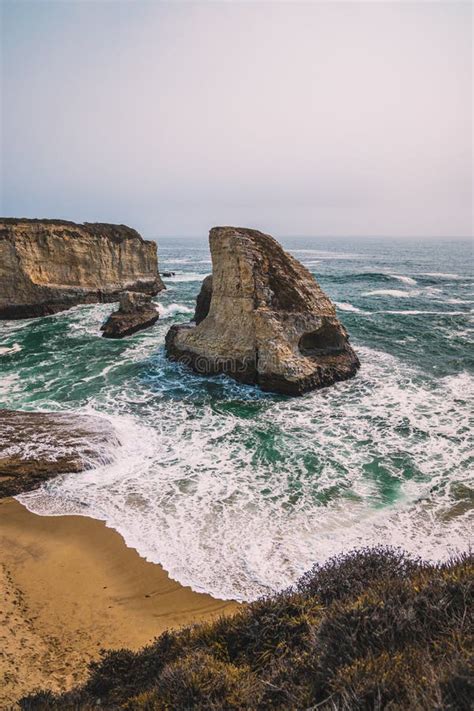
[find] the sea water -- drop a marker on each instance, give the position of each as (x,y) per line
(238,492)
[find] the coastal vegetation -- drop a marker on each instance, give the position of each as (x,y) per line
(372,629)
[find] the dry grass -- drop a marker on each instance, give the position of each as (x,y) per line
(374,629)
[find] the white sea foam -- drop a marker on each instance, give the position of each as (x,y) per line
(404,279)
(6,350)
(415,312)
(239,506)
(396,293)
(168,310)
(344,306)
(454,300)
(441,275)
(9,385)
(187,276)
(86,320)
(170,265)
(179,260)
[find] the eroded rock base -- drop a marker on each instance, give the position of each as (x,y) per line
(36,446)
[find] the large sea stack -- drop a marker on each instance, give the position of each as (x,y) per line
(268,321)
(47,266)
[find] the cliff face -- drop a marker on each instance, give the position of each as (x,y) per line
(50,265)
(203,301)
(268,321)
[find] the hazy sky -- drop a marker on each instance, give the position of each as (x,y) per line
(315,118)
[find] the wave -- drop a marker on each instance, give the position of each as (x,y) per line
(169,310)
(414,312)
(177,260)
(441,275)
(396,293)
(86,320)
(7,350)
(454,300)
(325,254)
(187,276)
(404,279)
(344,306)
(369,276)
(258,490)
(9,385)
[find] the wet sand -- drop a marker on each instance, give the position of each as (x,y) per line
(69,586)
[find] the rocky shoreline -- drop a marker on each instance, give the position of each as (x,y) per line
(372,629)
(37,446)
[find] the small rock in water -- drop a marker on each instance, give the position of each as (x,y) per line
(263,319)
(136,312)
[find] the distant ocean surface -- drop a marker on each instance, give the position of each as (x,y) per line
(236,492)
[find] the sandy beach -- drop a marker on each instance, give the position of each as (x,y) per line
(69,587)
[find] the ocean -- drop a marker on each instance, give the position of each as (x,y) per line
(238,492)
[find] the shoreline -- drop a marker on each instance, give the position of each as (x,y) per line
(71,587)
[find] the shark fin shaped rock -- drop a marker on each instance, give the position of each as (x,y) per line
(263,319)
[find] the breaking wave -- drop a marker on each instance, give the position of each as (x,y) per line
(169,310)
(344,306)
(187,276)
(239,499)
(6,350)
(404,279)
(396,293)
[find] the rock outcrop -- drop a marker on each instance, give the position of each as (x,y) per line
(47,266)
(136,312)
(203,300)
(268,321)
(36,446)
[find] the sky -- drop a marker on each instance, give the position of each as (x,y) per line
(312,118)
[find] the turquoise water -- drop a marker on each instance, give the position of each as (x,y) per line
(237,492)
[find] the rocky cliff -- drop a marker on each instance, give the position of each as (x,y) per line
(268,321)
(50,265)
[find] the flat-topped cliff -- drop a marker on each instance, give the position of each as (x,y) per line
(50,265)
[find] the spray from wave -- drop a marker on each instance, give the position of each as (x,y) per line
(169,310)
